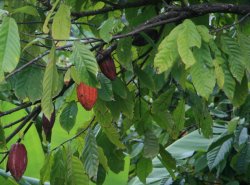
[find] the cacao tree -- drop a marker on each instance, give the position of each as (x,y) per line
(124,92)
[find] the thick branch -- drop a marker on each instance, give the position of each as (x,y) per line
(116,7)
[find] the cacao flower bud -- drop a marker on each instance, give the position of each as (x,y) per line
(86,95)
(107,67)
(48,124)
(17,161)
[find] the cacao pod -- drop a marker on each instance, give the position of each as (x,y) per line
(107,67)
(17,161)
(86,95)
(48,124)
(139,40)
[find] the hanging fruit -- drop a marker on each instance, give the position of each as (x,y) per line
(48,124)
(17,161)
(86,95)
(107,67)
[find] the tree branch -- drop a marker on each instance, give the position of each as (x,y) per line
(138,3)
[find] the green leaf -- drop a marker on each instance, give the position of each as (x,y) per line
(144,168)
(124,53)
(50,85)
(58,170)
(30,10)
(218,154)
(188,37)
(68,116)
(29,84)
(10,46)
(179,115)
(46,22)
(204,33)
(241,92)
(85,64)
(105,120)
(78,176)
(219,72)
(106,29)
(168,159)
(163,101)
(167,51)
(145,79)
(46,168)
(229,83)
(61,24)
(103,159)
(151,146)
(106,92)
(244,42)
(241,160)
(235,59)
(232,124)
(2,137)
(119,88)
(90,155)
(203,76)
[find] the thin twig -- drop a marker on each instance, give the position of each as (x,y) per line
(14,123)
(75,136)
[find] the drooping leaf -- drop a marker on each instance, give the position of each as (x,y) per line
(106,91)
(167,51)
(145,79)
(106,29)
(46,22)
(241,92)
(46,168)
(188,37)
(50,85)
(219,72)
(151,145)
(229,82)
(103,159)
(78,176)
(61,24)
(179,115)
(90,155)
(119,88)
(124,53)
(10,46)
(68,116)
(143,169)
(86,67)
(218,154)
(204,33)
(203,76)
(235,57)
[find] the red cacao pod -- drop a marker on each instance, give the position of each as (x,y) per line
(107,67)
(86,95)
(17,161)
(48,124)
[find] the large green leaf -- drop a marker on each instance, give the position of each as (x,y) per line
(61,24)
(46,168)
(179,115)
(241,92)
(218,154)
(229,83)
(85,65)
(144,168)
(90,155)
(29,84)
(167,51)
(68,116)
(10,46)
(46,22)
(106,92)
(50,85)
(30,10)
(78,176)
(188,37)
(151,146)
(203,76)
(106,29)
(235,59)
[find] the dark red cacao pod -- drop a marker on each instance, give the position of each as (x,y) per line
(86,95)
(107,67)
(17,161)
(139,40)
(48,124)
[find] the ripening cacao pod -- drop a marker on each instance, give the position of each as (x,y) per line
(107,67)
(86,95)
(48,124)
(17,161)
(139,40)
